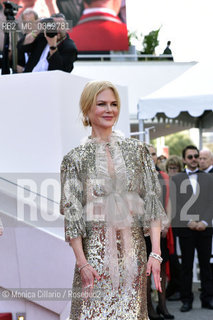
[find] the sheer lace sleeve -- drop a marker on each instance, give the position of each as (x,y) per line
(151,190)
(71,200)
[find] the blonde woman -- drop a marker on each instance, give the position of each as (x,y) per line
(110,200)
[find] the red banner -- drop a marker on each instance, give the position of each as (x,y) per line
(95,25)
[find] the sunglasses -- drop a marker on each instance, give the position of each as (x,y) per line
(195,156)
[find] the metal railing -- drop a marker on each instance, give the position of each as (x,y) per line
(26,189)
(126,56)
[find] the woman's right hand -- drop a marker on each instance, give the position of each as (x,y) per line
(88,275)
(164,232)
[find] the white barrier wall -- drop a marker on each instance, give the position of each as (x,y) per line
(36,269)
(39,119)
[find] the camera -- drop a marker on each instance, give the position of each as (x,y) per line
(49,26)
(10,10)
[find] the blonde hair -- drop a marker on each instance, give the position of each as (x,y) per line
(89,94)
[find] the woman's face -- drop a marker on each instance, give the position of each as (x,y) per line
(104,113)
(173,170)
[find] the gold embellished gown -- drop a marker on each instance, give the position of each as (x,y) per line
(109,197)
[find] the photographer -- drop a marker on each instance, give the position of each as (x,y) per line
(49,49)
(28,16)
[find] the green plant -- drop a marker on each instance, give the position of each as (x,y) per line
(150,42)
(177,142)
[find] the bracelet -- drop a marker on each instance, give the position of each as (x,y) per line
(156,256)
(33,34)
(84,265)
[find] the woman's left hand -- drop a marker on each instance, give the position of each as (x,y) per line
(153,266)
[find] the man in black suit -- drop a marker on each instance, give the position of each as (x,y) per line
(206,160)
(206,165)
(191,193)
(49,53)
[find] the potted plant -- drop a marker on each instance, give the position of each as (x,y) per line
(150,42)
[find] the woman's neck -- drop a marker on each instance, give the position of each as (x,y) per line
(101,134)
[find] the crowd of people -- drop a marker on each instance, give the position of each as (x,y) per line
(40,48)
(191,221)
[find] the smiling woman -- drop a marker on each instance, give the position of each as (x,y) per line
(104,113)
(109,200)
(100,106)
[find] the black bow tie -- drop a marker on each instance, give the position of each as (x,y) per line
(195,172)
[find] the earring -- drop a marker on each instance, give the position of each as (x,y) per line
(87,120)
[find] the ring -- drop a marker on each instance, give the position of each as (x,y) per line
(160,279)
